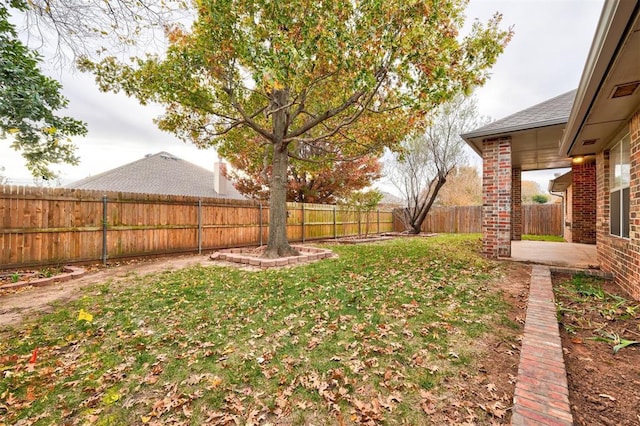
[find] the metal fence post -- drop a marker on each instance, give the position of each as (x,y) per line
(199,225)
(104,229)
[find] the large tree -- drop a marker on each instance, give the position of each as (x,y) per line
(426,158)
(29,101)
(346,77)
(310,178)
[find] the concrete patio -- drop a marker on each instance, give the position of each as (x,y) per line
(567,255)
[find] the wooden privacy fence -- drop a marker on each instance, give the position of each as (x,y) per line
(537,219)
(40,226)
(542,219)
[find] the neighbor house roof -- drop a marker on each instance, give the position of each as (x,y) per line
(548,113)
(161,173)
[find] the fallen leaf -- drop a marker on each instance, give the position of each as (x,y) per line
(187,411)
(34,356)
(388,375)
(85,316)
(604,395)
(215,382)
(30,394)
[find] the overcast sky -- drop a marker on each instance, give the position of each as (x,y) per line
(545,58)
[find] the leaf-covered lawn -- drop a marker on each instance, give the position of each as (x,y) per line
(370,337)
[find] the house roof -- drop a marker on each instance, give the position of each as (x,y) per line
(561,183)
(389,199)
(161,173)
(535,134)
(548,113)
(608,93)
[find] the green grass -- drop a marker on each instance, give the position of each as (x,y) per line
(551,238)
(324,341)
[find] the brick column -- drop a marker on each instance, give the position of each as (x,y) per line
(583,225)
(496,198)
(516,202)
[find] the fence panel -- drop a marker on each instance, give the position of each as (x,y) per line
(537,219)
(40,226)
(542,219)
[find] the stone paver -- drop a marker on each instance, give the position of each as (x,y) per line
(541,395)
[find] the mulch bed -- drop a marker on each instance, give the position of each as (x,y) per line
(18,279)
(604,387)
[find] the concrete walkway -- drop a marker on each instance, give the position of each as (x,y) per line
(582,256)
(541,395)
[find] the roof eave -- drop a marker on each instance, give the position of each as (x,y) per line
(513,129)
(610,29)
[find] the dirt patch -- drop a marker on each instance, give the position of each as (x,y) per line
(15,305)
(502,345)
(604,387)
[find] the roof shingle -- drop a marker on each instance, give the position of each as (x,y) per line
(548,113)
(161,173)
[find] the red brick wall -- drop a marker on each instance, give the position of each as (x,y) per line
(516,200)
(496,198)
(620,255)
(583,222)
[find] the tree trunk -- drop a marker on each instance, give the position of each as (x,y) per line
(278,244)
(424,208)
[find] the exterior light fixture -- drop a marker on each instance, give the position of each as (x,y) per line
(577,160)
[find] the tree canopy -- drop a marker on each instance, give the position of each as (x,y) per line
(463,187)
(29,101)
(343,78)
(309,178)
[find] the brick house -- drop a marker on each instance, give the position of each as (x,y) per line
(598,136)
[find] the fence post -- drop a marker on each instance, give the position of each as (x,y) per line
(335,225)
(104,229)
(303,230)
(199,225)
(260,222)
(378,213)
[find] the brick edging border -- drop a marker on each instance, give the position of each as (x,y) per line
(307,254)
(589,272)
(542,394)
(71,272)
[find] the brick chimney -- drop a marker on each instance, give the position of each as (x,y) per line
(219,181)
